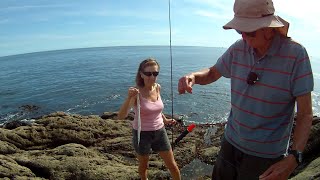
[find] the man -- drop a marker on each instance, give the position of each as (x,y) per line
(269,74)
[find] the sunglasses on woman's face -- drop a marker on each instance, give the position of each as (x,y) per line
(252,78)
(249,34)
(155,74)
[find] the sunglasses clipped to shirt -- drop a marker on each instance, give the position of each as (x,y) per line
(252,78)
(155,74)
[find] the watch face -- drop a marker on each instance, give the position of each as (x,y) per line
(299,154)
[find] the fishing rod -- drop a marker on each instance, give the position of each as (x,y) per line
(169,3)
(183,134)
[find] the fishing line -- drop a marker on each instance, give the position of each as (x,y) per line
(169,3)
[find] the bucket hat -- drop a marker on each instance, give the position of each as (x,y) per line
(251,15)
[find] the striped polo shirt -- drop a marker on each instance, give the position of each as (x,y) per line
(261,116)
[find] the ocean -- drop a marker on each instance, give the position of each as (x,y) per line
(90,81)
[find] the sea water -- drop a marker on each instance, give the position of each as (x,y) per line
(90,81)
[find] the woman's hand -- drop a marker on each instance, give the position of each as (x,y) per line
(132,92)
(169,121)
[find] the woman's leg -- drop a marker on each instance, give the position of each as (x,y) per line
(143,166)
(171,164)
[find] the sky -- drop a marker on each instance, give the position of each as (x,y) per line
(42,25)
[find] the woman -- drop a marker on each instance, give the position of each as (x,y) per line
(145,98)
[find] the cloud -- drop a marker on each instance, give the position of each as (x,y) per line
(54,37)
(77,23)
(303,17)
(213,15)
(295,9)
(30,7)
(213,9)
(37,37)
(159,32)
(306,15)
(4,21)
(221,5)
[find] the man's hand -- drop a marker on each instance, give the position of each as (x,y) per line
(280,170)
(186,83)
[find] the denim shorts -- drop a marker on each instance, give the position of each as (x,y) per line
(151,140)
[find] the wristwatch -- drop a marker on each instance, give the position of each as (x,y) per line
(297,155)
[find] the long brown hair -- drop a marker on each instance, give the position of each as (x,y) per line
(145,63)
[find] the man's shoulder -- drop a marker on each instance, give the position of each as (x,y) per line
(238,45)
(292,48)
(291,43)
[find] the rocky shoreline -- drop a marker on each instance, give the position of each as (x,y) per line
(71,146)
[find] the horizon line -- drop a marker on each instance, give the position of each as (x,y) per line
(54,50)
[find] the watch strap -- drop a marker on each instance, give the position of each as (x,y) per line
(297,155)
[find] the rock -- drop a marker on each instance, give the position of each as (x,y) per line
(9,168)
(71,146)
(311,171)
(114,115)
(7,148)
(67,146)
(109,115)
(15,124)
(176,117)
(29,108)
(313,146)
(311,153)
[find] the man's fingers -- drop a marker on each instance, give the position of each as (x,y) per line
(181,88)
(266,173)
(189,89)
(189,85)
(185,84)
(190,82)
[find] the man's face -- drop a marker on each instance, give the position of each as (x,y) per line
(258,38)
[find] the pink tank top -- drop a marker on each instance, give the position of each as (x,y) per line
(150,115)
